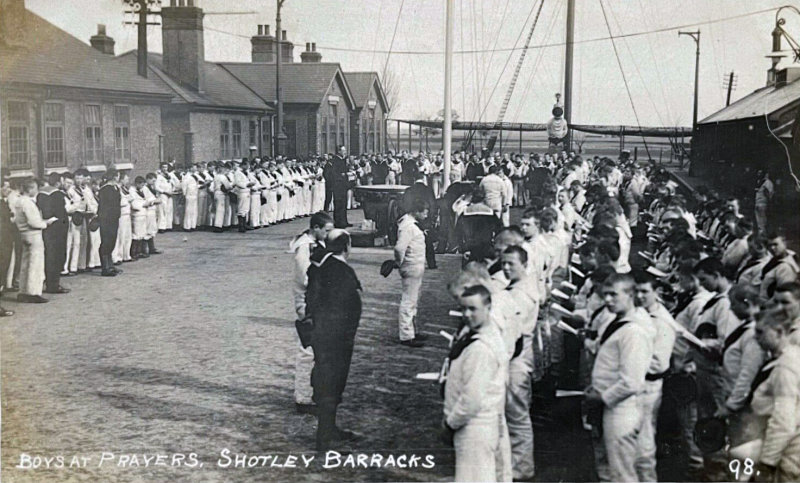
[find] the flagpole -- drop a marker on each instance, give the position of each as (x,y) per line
(447,131)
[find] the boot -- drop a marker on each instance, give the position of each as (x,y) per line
(135,250)
(242,224)
(326,426)
(151,245)
(107,266)
(144,251)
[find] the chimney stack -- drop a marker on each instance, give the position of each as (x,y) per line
(287,54)
(12,22)
(311,54)
(182,37)
(101,41)
(263,45)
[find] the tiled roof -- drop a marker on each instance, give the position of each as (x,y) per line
(46,55)
(303,82)
(767,99)
(360,85)
(222,90)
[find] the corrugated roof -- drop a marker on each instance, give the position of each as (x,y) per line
(360,85)
(303,83)
(47,55)
(222,90)
(768,99)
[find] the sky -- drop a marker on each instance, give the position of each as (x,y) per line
(359,34)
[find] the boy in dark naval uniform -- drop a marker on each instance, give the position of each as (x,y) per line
(334,304)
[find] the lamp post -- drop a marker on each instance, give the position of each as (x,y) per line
(696,37)
(280,137)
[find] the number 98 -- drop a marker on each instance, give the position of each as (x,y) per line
(745,467)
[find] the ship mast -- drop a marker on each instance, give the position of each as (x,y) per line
(568,69)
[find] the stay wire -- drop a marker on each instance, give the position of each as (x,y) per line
(624,78)
(508,59)
(394,34)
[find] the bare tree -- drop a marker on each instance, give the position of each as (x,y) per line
(391,87)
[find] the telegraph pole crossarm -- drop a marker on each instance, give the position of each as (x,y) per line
(696,37)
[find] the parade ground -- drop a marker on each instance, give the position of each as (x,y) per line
(192,351)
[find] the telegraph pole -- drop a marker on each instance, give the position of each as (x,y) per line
(729,84)
(141,8)
(696,37)
(280,136)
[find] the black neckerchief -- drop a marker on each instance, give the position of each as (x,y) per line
(750,264)
(462,343)
(495,267)
(771,264)
(711,303)
(763,375)
(614,326)
(684,299)
(734,336)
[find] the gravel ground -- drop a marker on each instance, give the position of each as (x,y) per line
(192,352)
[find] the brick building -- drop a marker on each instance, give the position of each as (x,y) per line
(66,105)
(212,115)
(368,120)
(317,100)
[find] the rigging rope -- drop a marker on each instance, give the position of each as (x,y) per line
(394,34)
(509,56)
(625,79)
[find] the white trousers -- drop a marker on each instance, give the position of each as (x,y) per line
(412,283)
(31,272)
(255,210)
(616,450)
(161,212)
(94,249)
(190,213)
(219,208)
(122,250)
(518,411)
(477,448)
(649,404)
(73,248)
(243,203)
(139,222)
(202,207)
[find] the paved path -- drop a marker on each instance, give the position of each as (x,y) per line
(192,352)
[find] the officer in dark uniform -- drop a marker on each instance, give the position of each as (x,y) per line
(340,185)
(410,171)
(333,301)
(53,203)
(108,213)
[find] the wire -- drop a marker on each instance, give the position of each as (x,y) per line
(377,31)
(496,38)
(508,59)
(785,148)
(391,44)
(624,78)
(553,44)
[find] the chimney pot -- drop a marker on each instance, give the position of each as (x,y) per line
(313,46)
(101,29)
(260,30)
(308,46)
(266,30)
(283,35)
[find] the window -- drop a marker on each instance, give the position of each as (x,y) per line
(341,131)
(18,117)
(224,139)
(122,140)
(324,135)
(379,139)
(94,134)
(253,139)
(237,138)
(332,129)
(54,134)
(266,142)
